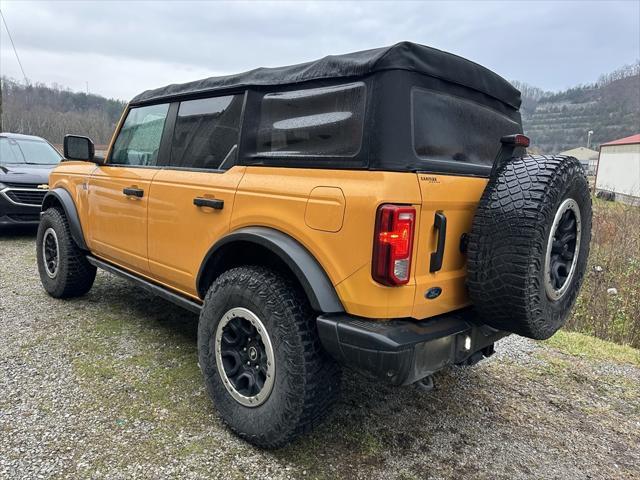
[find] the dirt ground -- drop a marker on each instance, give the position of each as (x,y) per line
(107,386)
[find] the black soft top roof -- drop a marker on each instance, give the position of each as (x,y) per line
(401,56)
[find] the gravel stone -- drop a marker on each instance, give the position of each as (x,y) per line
(107,386)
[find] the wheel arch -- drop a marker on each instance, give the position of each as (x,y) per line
(61,198)
(270,247)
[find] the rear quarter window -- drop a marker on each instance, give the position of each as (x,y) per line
(450,128)
(315,122)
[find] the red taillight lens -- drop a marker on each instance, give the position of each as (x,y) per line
(518,140)
(393,244)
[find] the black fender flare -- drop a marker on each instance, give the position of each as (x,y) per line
(60,196)
(312,277)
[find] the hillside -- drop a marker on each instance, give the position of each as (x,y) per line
(560,121)
(52,112)
(555,121)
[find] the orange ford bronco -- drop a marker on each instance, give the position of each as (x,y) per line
(375,209)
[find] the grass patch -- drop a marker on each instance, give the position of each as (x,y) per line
(144,371)
(585,346)
(614,262)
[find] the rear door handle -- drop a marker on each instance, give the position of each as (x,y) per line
(440,224)
(209,202)
(133,192)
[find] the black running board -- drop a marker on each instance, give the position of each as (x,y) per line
(149,286)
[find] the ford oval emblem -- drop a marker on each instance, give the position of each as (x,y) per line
(433,292)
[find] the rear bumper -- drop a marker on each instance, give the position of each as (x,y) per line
(404,351)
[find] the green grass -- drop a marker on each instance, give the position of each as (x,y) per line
(585,346)
(614,262)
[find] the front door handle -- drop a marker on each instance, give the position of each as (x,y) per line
(133,192)
(209,202)
(440,224)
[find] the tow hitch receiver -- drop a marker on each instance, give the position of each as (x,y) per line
(427,384)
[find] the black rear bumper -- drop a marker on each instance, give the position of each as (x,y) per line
(405,351)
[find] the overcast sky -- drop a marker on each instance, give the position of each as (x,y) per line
(122,48)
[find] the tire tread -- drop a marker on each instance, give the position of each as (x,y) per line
(319,374)
(507,243)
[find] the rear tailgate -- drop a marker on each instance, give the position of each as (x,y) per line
(455,197)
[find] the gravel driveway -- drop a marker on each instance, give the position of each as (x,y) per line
(107,386)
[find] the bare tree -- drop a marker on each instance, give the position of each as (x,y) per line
(52,112)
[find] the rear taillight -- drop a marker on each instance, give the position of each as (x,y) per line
(517,140)
(393,244)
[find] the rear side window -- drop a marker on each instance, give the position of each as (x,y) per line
(206,133)
(450,128)
(139,139)
(317,122)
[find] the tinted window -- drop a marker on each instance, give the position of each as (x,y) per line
(139,139)
(450,128)
(206,133)
(30,152)
(315,122)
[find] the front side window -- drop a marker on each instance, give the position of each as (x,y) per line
(27,152)
(139,139)
(317,122)
(206,133)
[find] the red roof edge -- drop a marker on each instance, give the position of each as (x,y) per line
(624,141)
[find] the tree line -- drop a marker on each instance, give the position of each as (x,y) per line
(52,111)
(609,107)
(532,96)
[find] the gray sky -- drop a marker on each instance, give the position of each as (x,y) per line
(122,48)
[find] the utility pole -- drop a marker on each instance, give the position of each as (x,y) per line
(589,138)
(1,105)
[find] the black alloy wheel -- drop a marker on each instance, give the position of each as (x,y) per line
(564,243)
(244,355)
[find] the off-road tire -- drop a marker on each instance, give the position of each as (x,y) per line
(508,244)
(75,275)
(307,380)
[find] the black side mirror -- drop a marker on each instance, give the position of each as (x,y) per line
(78,148)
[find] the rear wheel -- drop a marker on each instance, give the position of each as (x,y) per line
(62,265)
(261,358)
(529,245)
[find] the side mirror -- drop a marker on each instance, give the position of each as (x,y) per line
(78,148)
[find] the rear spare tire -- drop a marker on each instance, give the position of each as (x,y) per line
(529,245)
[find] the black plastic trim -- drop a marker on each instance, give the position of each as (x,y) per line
(214,203)
(63,198)
(308,271)
(65,148)
(147,285)
(133,192)
(439,224)
(166,140)
(404,351)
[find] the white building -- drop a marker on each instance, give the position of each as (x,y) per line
(619,169)
(588,158)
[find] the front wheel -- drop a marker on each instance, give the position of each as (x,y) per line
(261,358)
(62,265)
